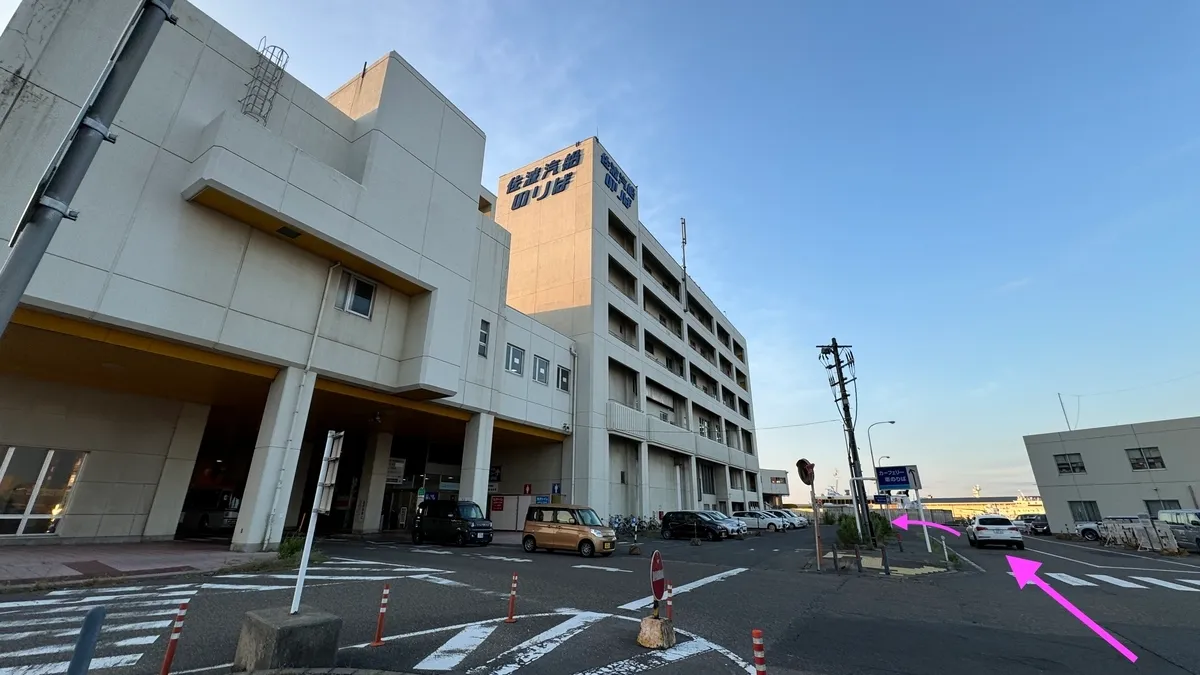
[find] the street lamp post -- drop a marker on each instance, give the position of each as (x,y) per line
(881,458)
(871,446)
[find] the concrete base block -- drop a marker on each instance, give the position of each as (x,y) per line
(656,633)
(272,638)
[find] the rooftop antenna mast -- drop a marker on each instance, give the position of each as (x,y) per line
(683,230)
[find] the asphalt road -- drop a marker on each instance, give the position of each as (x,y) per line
(577,615)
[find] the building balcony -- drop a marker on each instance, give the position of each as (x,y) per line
(626,419)
(712,450)
(671,435)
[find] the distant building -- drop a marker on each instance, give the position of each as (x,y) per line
(966,507)
(1126,470)
(774,487)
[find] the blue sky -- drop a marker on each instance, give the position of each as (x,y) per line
(993,202)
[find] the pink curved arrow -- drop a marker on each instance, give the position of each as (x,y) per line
(903,522)
(1025,571)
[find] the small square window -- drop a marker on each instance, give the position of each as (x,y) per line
(514,360)
(355,295)
(564,379)
(1070,463)
(485,330)
(1145,459)
(541,370)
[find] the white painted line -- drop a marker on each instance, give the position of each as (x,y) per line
(201,670)
(85,591)
(139,640)
(457,648)
(1190,581)
(1116,581)
(95,599)
(141,625)
(502,558)
(652,660)
(968,561)
(173,601)
(649,599)
(1114,567)
(442,629)
(173,587)
(1166,584)
(437,580)
(335,577)
(100,663)
(598,567)
(537,646)
(1068,579)
(246,587)
(38,651)
(434,551)
(1131,555)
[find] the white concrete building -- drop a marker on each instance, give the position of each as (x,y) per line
(775,488)
(664,407)
(1126,470)
(247,273)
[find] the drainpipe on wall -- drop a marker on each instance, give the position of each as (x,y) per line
(574,416)
(312,348)
(1192,492)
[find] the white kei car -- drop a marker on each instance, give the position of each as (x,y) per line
(989,529)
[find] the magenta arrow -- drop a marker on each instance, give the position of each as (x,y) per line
(903,522)
(1025,571)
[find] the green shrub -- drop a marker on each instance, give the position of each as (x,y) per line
(882,526)
(847,532)
(291,547)
(828,518)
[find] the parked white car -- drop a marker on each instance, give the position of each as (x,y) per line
(790,520)
(757,520)
(989,529)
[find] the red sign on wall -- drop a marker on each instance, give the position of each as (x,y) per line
(497,503)
(528,488)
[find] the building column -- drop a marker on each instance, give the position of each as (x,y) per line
(273,468)
(644,479)
(299,484)
(477,459)
(176,473)
(369,509)
(693,482)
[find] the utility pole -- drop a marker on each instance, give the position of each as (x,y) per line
(831,356)
(51,204)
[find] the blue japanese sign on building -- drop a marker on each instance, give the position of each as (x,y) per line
(541,499)
(617,182)
(897,478)
(555,183)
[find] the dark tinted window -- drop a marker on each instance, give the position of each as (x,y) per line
(471,511)
(995,521)
(705,515)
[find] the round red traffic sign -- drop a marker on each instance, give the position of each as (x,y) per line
(658,581)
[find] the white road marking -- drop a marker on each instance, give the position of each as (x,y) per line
(597,567)
(38,651)
(457,648)
(537,646)
(1190,581)
(246,587)
(201,670)
(1115,581)
(1166,584)
(99,663)
(1068,579)
(502,558)
(1114,567)
(96,599)
(1109,550)
(139,640)
(85,591)
(652,660)
(649,599)
(437,580)
(441,629)
(434,551)
(112,628)
(328,577)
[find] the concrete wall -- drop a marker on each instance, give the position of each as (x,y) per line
(1109,479)
(140,454)
(539,465)
(383,177)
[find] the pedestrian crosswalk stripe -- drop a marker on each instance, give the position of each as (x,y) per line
(1068,579)
(457,648)
(1115,581)
(100,663)
(1191,581)
(1166,584)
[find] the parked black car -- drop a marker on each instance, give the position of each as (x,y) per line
(688,524)
(1038,524)
(462,523)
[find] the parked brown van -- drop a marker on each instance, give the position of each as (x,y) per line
(566,527)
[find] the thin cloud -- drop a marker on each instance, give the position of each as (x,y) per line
(1015,284)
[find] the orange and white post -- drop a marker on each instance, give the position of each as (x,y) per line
(174,642)
(760,655)
(512,601)
(670,606)
(383,605)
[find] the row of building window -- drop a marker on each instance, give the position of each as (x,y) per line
(514,361)
(1140,459)
(1089,512)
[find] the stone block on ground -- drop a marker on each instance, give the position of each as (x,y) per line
(273,638)
(656,633)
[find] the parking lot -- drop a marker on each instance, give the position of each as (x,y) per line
(579,615)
